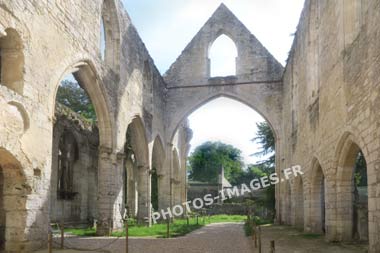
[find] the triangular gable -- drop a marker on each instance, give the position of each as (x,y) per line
(254,62)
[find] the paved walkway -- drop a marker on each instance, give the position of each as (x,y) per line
(214,238)
(218,238)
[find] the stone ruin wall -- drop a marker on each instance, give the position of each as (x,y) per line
(331,97)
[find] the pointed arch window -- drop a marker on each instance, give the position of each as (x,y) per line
(222,55)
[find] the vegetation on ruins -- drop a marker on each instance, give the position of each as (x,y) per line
(73,96)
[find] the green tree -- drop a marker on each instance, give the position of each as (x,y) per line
(207,160)
(266,139)
(360,173)
(73,96)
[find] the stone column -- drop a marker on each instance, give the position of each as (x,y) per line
(110,185)
(165,180)
(164,185)
(144,205)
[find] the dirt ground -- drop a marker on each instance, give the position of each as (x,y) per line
(216,238)
(290,240)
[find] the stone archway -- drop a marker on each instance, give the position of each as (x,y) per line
(191,104)
(353,222)
(13,210)
(88,78)
(86,74)
(158,159)
(318,199)
(257,82)
(136,144)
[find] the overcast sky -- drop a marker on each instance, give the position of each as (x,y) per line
(167,26)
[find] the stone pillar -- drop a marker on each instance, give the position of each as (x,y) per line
(165,181)
(35,219)
(144,205)
(373,174)
(110,185)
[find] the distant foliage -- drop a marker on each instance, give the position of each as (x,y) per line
(360,171)
(266,139)
(206,162)
(73,96)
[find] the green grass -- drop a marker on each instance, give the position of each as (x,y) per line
(259,221)
(311,236)
(226,218)
(178,228)
(81,231)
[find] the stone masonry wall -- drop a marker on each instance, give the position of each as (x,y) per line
(331,97)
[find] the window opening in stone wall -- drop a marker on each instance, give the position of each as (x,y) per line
(223,54)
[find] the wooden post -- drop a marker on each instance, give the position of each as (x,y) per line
(50,242)
(168,229)
(187,220)
(126,236)
(197,220)
(254,234)
(272,247)
(62,235)
(260,245)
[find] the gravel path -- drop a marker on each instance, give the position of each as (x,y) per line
(215,238)
(218,238)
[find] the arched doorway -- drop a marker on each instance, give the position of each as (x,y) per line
(318,199)
(352,192)
(222,125)
(13,195)
(158,158)
(137,184)
(75,153)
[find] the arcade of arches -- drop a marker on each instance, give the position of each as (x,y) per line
(323,107)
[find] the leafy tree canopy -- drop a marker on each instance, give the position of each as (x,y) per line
(73,96)
(206,161)
(265,138)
